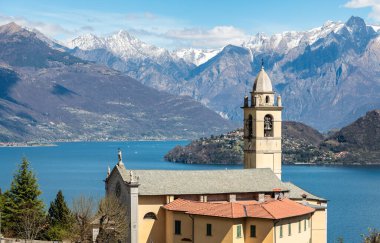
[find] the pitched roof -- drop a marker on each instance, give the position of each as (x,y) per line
(181,182)
(262,82)
(297,192)
(279,209)
(272,209)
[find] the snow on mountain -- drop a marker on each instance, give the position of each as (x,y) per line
(375,27)
(288,40)
(196,56)
(121,44)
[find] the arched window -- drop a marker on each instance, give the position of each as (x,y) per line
(249,126)
(150,215)
(267,99)
(268,126)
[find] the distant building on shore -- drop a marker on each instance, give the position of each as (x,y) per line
(245,205)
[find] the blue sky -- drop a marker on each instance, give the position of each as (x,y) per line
(175,24)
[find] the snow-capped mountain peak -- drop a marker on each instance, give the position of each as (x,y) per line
(195,56)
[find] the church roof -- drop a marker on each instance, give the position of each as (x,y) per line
(271,209)
(182,182)
(297,192)
(262,82)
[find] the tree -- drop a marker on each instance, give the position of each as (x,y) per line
(60,219)
(83,212)
(113,225)
(372,237)
(24,215)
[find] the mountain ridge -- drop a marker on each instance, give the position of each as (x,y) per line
(312,70)
(50,95)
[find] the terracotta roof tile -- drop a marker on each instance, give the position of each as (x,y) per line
(272,209)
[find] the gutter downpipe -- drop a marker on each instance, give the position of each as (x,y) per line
(192,230)
(311,227)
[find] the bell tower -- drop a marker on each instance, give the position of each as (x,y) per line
(262,126)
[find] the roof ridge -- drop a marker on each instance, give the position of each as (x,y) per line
(268,211)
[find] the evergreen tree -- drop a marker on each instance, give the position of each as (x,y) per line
(1,210)
(23,210)
(59,212)
(60,219)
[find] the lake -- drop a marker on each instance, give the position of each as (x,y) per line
(80,168)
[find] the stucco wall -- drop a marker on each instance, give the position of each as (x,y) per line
(300,237)
(264,231)
(186,227)
(151,230)
(319,226)
(222,229)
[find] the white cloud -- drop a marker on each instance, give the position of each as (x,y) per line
(50,30)
(154,29)
(373,4)
(215,37)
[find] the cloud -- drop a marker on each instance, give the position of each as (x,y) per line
(162,31)
(215,37)
(373,4)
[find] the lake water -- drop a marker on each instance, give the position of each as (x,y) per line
(79,168)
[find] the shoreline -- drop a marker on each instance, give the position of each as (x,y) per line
(294,164)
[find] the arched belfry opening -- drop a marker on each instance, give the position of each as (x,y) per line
(267,99)
(268,126)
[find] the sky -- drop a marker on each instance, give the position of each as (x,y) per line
(174,24)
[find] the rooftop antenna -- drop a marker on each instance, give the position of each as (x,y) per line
(262,63)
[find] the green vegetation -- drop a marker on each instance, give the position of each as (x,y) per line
(373,236)
(24,215)
(60,219)
(23,211)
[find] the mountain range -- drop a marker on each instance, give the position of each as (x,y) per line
(328,76)
(47,94)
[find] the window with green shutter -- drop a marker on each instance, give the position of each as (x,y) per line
(304,225)
(177,227)
(253,231)
(280,231)
(299,227)
(208,229)
(289,229)
(238,231)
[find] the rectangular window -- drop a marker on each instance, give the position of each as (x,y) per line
(304,225)
(253,230)
(208,229)
(299,227)
(238,231)
(289,229)
(177,227)
(280,231)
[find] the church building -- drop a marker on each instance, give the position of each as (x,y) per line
(208,206)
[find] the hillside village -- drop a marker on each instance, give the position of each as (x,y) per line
(301,144)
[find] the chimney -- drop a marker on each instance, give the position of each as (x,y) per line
(276,193)
(304,197)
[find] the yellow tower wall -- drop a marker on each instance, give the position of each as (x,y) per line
(261,151)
